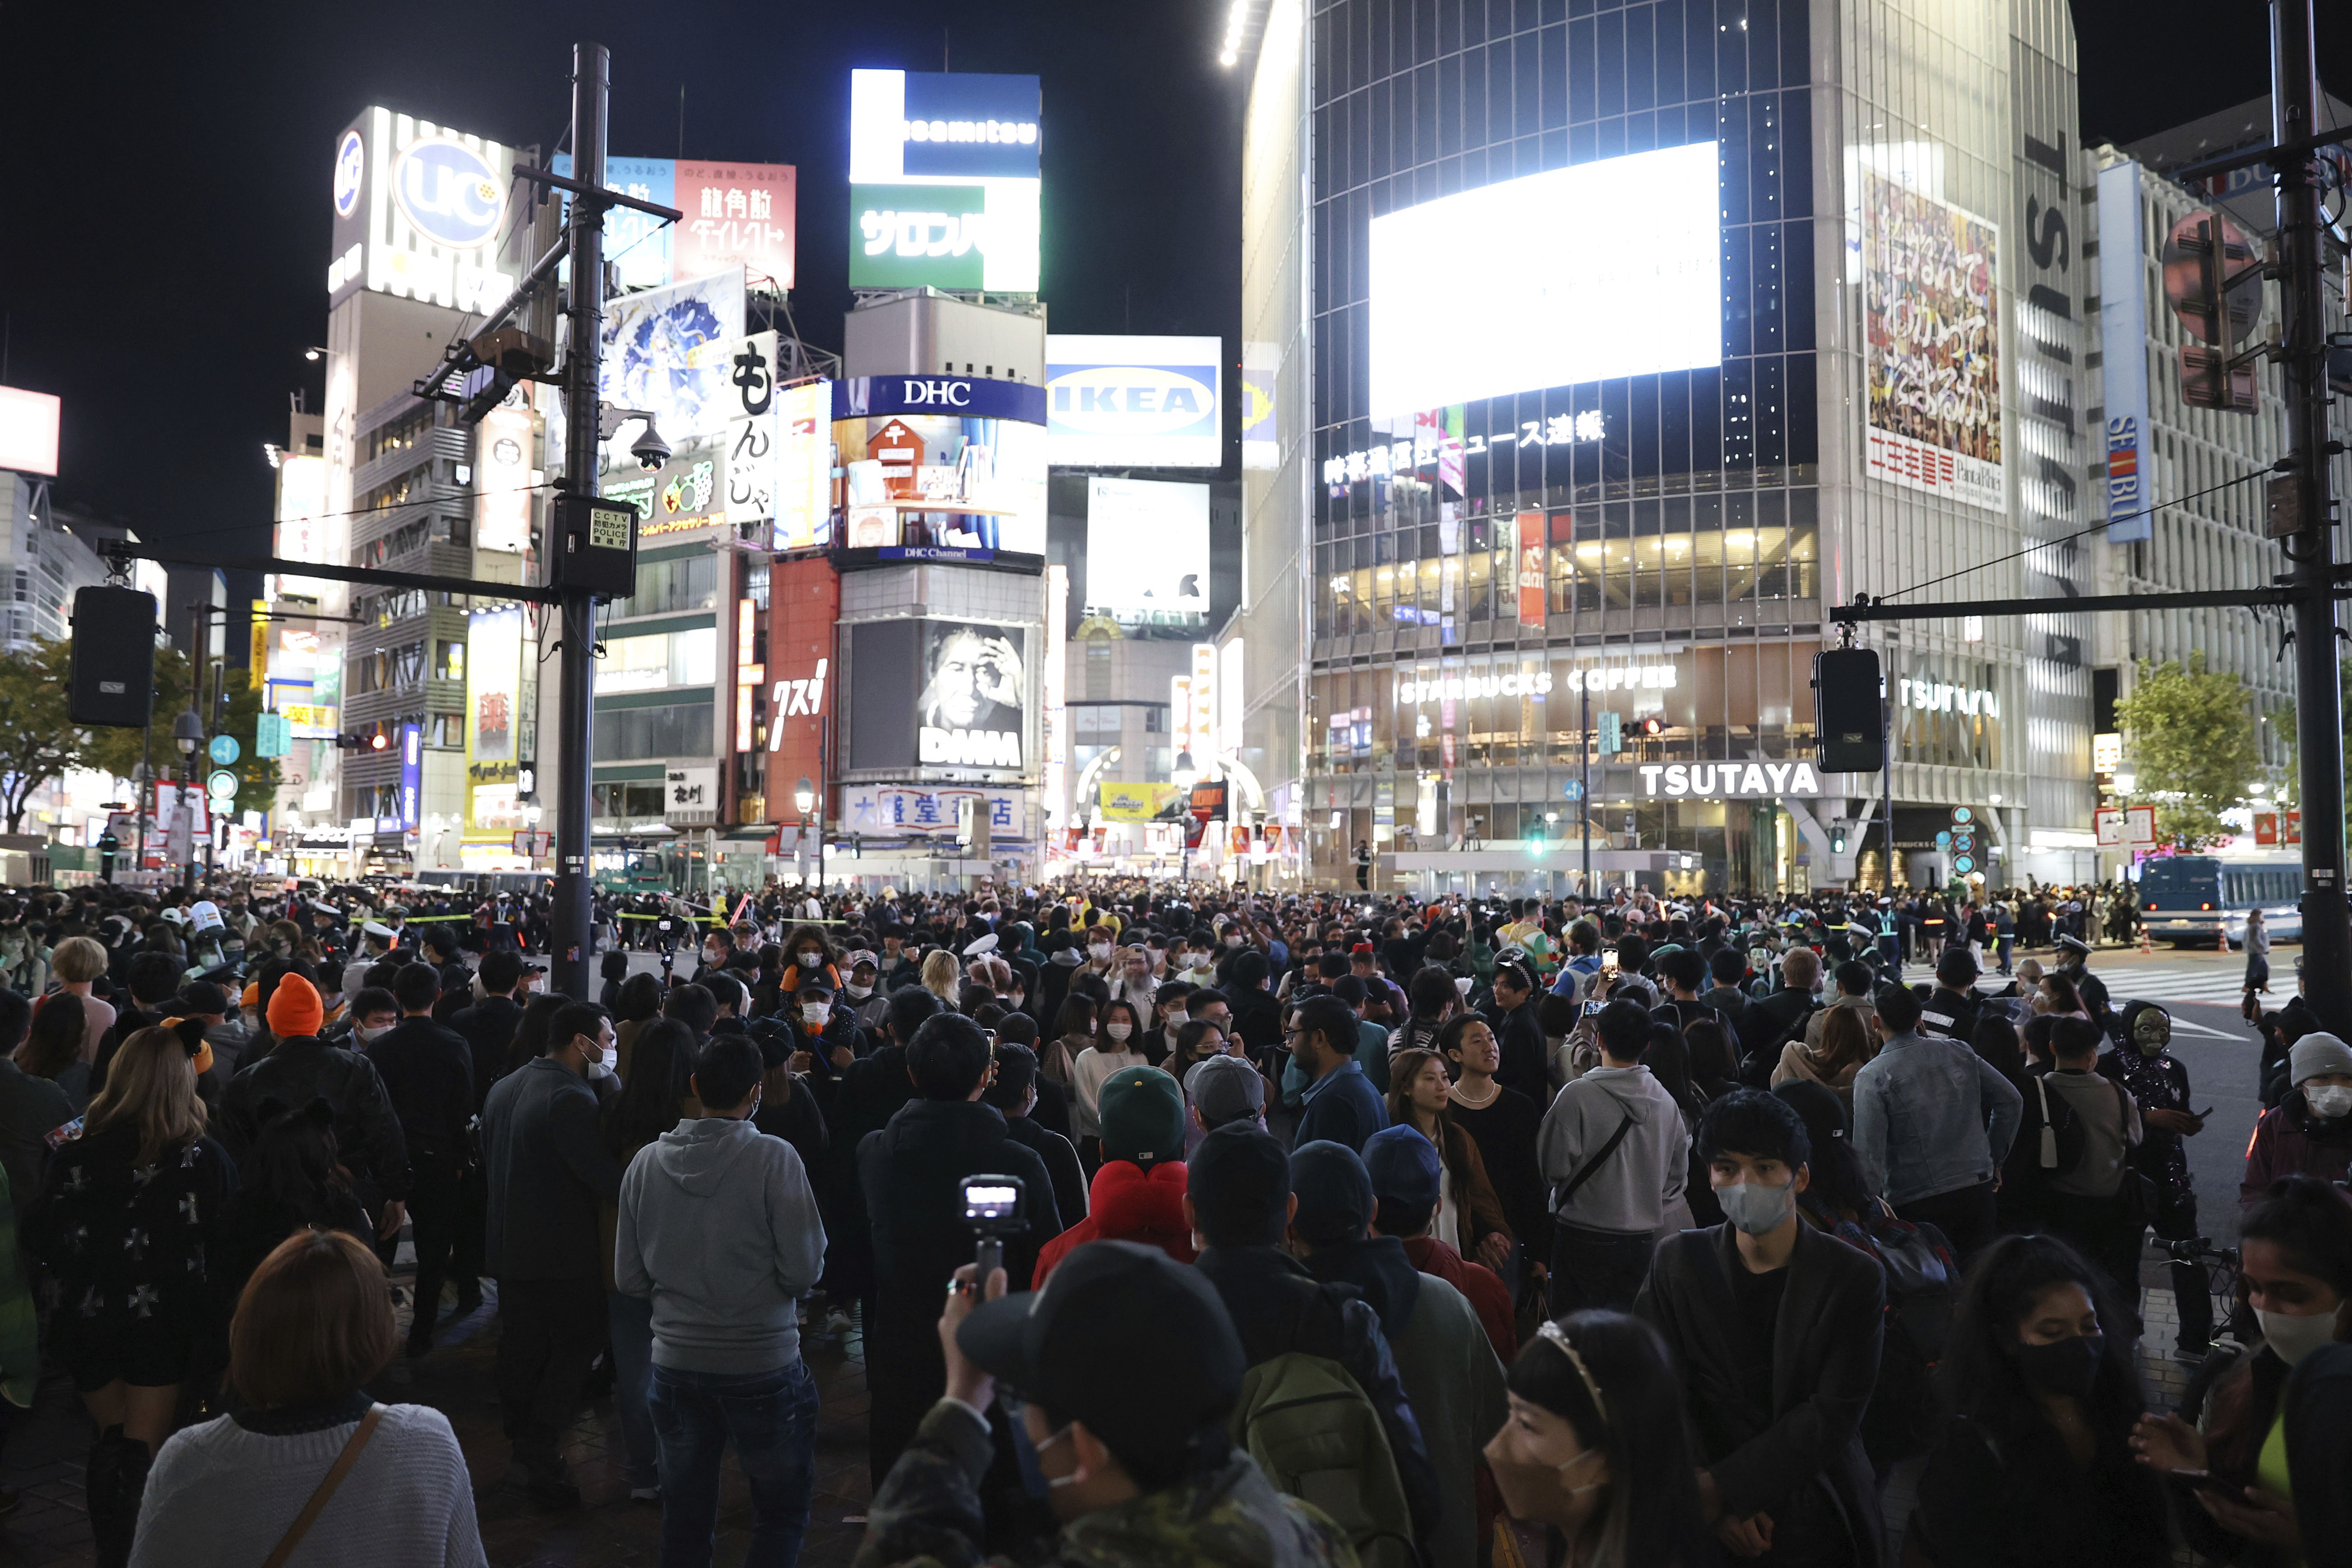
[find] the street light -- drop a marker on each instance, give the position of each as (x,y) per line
(1184,776)
(188,733)
(804,797)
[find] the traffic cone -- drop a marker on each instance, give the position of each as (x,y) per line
(2145,945)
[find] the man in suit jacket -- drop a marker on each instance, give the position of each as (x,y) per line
(1777,1328)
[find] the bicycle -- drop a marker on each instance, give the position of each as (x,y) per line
(2222,1265)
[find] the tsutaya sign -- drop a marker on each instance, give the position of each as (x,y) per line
(1729,781)
(1933,697)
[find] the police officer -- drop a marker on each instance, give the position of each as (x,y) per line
(2159,1083)
(1952,1007)
(2074,961)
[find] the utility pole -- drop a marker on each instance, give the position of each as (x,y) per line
(1584,786)
(574,903)
(2326,920)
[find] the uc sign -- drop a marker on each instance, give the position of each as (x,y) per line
(449,193)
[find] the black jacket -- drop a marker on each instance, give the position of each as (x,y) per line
(1949,1013)
(428,1071)
(1525,1064)
(368,1134)
(546,1166)
(1824,1351)
(489,1027)
(908,1171)
(1769,1018)
(1069,1177)
(1278,1308)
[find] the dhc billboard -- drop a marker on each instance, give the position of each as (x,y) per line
(1134,402)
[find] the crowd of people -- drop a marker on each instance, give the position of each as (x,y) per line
(1323,1229)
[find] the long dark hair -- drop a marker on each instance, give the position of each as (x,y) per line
(660,1058)
(1979,1377)
(1653,1487)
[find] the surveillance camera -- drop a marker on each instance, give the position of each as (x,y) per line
(650,451)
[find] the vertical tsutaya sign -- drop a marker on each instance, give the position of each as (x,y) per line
(1931,353)
(803,465)
(2123,346)
(420,212)
(1531,554)
(752,431)
(503,478)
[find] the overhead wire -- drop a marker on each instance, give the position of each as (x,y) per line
(2069,537)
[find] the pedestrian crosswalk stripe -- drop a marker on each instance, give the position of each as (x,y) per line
(2155,983)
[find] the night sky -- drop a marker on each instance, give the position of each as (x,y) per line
(167,233)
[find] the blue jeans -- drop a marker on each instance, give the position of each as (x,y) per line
(631,1319)
(771,1418)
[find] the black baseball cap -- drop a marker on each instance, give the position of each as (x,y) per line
(1072,1347)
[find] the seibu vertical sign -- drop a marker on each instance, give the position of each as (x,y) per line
(1531,549)
(804,601)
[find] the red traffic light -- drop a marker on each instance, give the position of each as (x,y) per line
(1650,726)
(379,740)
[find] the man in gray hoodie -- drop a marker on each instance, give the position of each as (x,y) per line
(1616,1154)
(718,1226)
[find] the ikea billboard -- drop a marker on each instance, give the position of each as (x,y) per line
(1134,402)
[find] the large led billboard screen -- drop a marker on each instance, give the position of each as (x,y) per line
(28,431)
(940,466)
(736,215)
(972,686)
(1601,269)
(1134,402)
(943,181)
(1146,548)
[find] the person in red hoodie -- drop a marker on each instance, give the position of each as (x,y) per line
(1139,1194)
(1406,1172)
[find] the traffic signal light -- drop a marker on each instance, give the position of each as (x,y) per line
(1837,841)
(1852,734)
(379,740)
(349,742)
(2214,281)
(1652,725)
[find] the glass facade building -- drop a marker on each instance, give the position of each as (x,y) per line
(1526,617)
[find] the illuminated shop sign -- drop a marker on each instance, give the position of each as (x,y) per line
(1538,683)
(1934,697)
(1729,781)
(1425,448)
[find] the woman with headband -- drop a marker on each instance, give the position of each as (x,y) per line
(1593,1447)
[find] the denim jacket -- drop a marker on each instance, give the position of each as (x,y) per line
(1930,1116)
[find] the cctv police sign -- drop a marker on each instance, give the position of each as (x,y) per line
(1134,402)
(950,397)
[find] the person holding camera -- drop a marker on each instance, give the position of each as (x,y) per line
(1130,1452)
(910,1172)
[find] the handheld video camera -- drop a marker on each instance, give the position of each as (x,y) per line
(992,1206)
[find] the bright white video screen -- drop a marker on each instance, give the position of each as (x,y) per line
(1579,274)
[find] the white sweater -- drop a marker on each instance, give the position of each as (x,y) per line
(219,1493)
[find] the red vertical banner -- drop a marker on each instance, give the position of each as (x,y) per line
(1531,569)
(794,696)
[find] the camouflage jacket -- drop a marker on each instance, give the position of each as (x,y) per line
(928,1512)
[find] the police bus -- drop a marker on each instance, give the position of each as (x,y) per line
(2201,901)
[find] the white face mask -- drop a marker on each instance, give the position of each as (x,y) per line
(858,993)
(369,1036)
(811,960)
(1120,1031)
(1232,940)
(2293,1336)
(816,1014)
(1755,1208)
(2327,1101)
(1177,1017)
(1101,952)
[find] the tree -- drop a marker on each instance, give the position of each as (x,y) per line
(2191,739)
(115,752)
(38,740)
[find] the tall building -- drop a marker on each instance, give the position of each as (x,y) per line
(2177,519)
(50,552)
(1588,361)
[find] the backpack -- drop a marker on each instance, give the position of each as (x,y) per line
(1309,1427)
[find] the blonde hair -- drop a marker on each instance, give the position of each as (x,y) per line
(78,960)
(150,1083)
(940,975)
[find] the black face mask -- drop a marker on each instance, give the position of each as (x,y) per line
(2066,1366)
